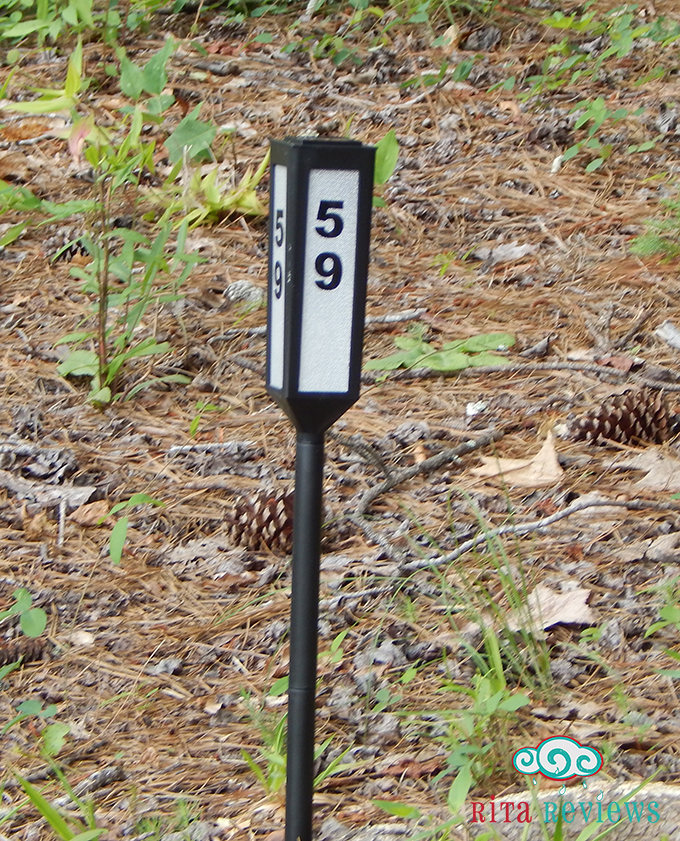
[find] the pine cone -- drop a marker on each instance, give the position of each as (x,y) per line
(629,418)
(264,519)
(27,649)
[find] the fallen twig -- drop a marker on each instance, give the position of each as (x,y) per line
(535,525)
(522,368)
(362,504)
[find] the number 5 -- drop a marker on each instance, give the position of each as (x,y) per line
(278,228)
(325,215)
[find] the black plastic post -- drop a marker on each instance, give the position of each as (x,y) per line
(304,614)
(319,232)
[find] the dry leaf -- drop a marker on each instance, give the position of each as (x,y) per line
(541,471)
(662,471)
(450,36)
(512,106)
(36,527)
(81,639)
(91,513)
(550,607)
(13,166)
(31,128)
(618,361)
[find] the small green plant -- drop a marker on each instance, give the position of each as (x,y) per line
(52,738)
(478,738)
(269,767)
(662,235)
(32,620)
(595,112)
(414,352)
(119,531)
(386,157)
(50,100)
(202,406)
(205,201)
(670,612)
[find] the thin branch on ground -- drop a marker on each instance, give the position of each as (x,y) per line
(371,320)
(370,377)
(361,505)
(367,451)
(536,525)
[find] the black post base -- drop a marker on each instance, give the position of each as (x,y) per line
(304,613)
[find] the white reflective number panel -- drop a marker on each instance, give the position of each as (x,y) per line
(328,289)
(277,290)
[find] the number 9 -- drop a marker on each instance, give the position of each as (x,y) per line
(333,272)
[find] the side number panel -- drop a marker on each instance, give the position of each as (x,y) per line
(328,290)
(277,277)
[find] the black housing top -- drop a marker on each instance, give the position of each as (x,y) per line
(319,232)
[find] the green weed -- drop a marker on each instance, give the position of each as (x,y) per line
(119,531)
(662,235)
(414,352)
(32,620)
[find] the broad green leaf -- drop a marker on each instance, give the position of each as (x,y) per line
(80,363)
(84,8)
(23,601)
(149,347)
(404,358)
(279,687)
(9,668)
(100,397)
(571,152)
(459,789)
(40,106)
(74,74)
(154,77)
(21,30)
(47,810)
(131,77)
(31,707)
(14,197)
(33,621)
(159,104)
(88,835)
(77,337)
(399,810)
(447,360)
(53,737)
(117,540)
(193,135)
(488,341)
(386,156)
(413,343)
(12,234)
(182,379)
(63,210)
(514,702)
(480,360)
(136,499)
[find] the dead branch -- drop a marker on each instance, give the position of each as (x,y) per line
(362,504)
(535,525)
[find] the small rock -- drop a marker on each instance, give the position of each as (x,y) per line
(243,292)
(166,666)
(665,549)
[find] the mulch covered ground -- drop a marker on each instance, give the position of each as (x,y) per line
(163,665)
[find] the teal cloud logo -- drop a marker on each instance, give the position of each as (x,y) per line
(558,758)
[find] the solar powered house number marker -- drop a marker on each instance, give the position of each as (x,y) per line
(320,217)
